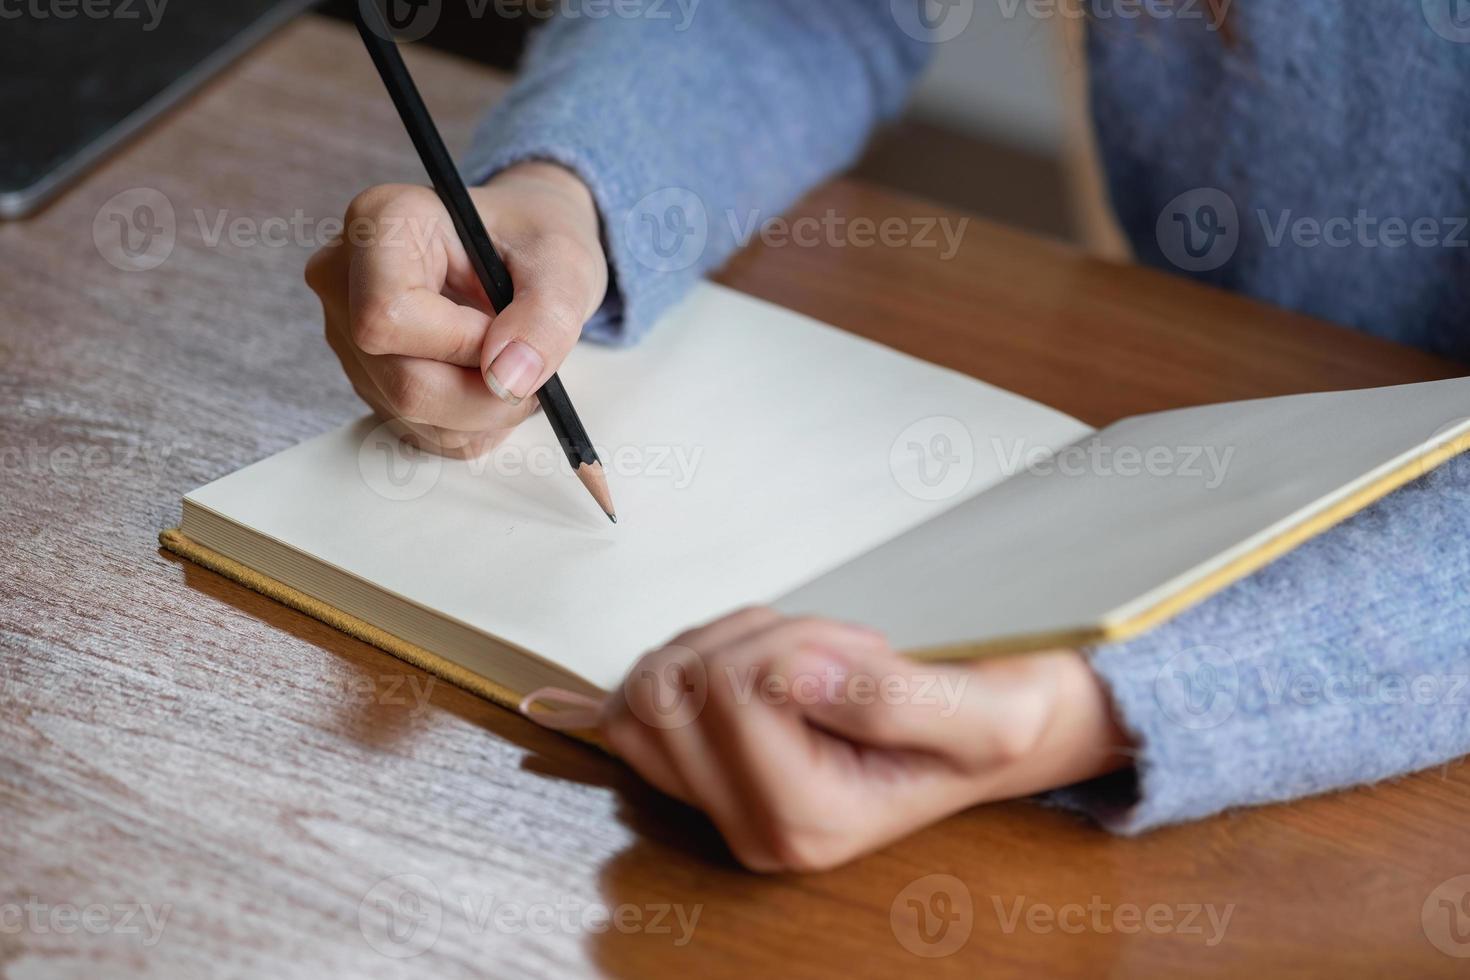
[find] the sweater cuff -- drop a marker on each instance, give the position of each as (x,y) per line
(640,286)
(1168,699)
(1283,711)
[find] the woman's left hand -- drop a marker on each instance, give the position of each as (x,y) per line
(809,742)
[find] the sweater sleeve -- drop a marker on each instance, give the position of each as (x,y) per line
(1347,661)
(692,123)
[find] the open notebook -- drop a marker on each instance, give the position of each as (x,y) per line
(757,456)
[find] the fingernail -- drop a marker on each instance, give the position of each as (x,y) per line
(564,711)
(514,371)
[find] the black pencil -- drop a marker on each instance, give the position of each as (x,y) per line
(492,272)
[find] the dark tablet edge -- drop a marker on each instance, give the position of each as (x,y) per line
(27,200)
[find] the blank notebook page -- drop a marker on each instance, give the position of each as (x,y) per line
(749,449)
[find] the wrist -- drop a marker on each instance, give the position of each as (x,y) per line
(1068,733)
(553,177)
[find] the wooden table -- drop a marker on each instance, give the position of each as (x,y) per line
(173,744)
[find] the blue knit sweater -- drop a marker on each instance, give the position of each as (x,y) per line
(1320,162)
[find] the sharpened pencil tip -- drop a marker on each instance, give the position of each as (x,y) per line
(596,483)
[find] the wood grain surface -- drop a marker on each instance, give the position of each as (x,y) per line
(195,781)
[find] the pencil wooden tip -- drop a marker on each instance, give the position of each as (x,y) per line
(595,481)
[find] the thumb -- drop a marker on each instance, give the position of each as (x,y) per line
(963,712)
(528,340)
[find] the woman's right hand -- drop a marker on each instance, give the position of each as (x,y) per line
(412,326)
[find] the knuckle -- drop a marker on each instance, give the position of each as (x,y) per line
(726,679)
(478,444)
(747,618)
(643,703)
(315,272)
(620,734)
(754,860)
(331,329)
(404,393)
(800,830)
(754,616)
(560,314)
(374,200)
(688,640)
(665,688)
(796,629)
(375,213)
(368,395)
(372,328)
(801,849)
(367,202)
